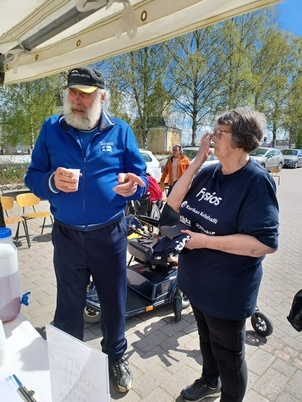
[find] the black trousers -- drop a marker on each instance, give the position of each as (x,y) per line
(102,254)
(223,352)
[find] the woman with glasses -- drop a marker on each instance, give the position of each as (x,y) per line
(231,211)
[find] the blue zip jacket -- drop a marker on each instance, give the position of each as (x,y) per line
(112,150)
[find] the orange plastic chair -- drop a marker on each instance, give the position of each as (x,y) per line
(7,203)
(30,200)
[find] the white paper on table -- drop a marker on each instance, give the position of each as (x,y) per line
(9,390)
(78,372)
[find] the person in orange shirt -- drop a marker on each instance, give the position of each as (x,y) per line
(175,167)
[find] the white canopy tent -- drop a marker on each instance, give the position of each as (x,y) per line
(43,37)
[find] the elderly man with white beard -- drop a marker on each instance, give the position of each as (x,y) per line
(89,234)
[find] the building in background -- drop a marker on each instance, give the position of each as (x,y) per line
(161,137)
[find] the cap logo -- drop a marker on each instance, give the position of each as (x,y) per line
(85,76)
(76,73)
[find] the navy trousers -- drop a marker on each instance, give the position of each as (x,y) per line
(102,254)
(223,353)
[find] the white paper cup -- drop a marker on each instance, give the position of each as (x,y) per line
(76,173)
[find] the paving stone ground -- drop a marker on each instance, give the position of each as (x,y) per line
(164,355)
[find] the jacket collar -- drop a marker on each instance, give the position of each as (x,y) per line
(104,122)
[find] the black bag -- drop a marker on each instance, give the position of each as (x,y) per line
(295,314)
(160,252)
(143,205)
(168,216)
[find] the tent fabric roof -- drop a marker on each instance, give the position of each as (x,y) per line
(44,37)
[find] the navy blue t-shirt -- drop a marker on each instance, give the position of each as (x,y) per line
(221,284)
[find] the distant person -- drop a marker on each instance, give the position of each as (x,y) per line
(265,143)
(231,211)
(175,167)
(89,233)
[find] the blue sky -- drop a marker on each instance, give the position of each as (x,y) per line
(291,18)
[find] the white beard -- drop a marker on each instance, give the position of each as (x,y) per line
(85,121)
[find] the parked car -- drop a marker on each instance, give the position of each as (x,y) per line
(191,153)
(292,157)
(268,157)
(163,163)
(153,165)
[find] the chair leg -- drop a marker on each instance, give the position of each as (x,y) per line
(16,238)
(44,221)
(26,232)
(43,225)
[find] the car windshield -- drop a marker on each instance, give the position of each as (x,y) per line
(289,152)
(190,153)
(146,157)
(258,152)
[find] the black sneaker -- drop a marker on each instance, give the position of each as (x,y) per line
(120,375)
(199,391)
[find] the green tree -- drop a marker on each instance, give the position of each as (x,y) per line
(193,79)
(239,42)
(26,107)
(293,113)
(137,77)
(117,104)
(260,63)
(212,68)
(274,69)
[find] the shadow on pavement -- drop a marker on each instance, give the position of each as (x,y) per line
(42,238)
(253,339)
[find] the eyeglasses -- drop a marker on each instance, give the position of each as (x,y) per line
(218,132)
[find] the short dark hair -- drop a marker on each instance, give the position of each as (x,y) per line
(247,126)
